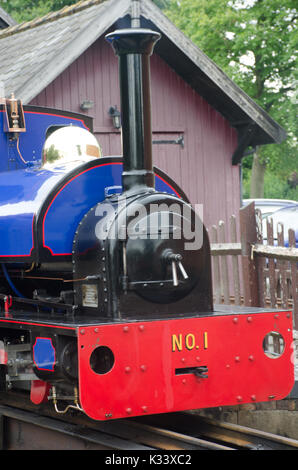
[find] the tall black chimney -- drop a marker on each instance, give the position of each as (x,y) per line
(134,47)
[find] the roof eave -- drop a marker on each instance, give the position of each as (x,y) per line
(32,87)
(198,70)
(6,18)
(210,81)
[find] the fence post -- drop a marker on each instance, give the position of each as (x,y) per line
(294,277)
(248,234)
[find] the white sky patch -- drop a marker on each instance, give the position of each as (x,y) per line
(239,4)
(247,59)
(229,35)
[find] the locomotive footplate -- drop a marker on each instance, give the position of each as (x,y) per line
(133,368)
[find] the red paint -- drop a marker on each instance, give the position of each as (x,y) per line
(3,354)
(36,324)
(7,305)
(66,184)
(143,377)
(39,391)
(61,189)
(59,115)
(162,179)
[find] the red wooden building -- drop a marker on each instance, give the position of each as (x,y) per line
(202,122)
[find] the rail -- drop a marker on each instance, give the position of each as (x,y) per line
(230,436)
(23,429)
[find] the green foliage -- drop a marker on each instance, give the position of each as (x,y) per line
(162,3)
(205,22)
(276,187)
(52,154)
(25,10)
(254,42)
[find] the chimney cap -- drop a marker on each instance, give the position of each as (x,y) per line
(133,40)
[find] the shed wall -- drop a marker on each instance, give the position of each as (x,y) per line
(202,168)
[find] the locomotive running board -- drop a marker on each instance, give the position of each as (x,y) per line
(140,368)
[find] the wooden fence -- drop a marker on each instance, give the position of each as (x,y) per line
(248,271)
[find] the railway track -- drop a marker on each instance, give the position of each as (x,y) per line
(20,428)
(230,436)
(23,429)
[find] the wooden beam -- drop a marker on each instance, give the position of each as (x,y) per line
(218,249)
(233,95)
(280,252)
(245,138)
(248,232)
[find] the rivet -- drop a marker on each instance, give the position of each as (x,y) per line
(183,359)
(143,368)
(95,330)
(127,369)
(184,381)
(82,332)
(239,398)
(237,358)
(249,319)
(251,358)
(235,320)
(128,411)
(145,409)
(125,329)
(253,397)
(198,358)
(276,316)
(228,366)
(288,315)
(141,327)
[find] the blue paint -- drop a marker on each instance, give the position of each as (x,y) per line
(75,200)
(48,204)
(44,354)
(22,193)
(32,141)
(13,287)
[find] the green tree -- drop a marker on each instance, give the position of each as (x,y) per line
(254,42)
(26,10)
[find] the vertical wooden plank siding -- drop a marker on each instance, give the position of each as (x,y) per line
(203,167)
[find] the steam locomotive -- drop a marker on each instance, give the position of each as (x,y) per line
(105,290)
